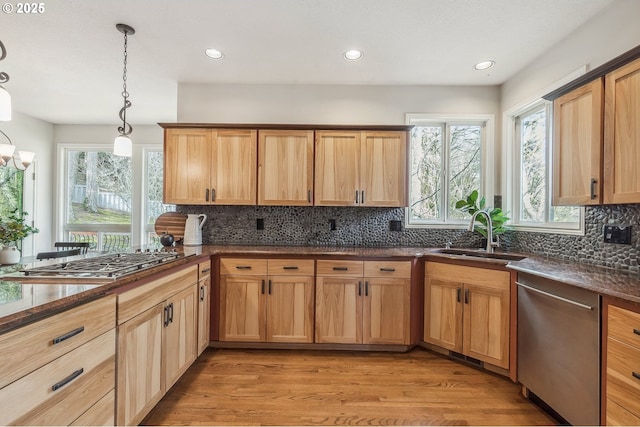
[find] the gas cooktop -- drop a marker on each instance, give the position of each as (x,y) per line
(104,267)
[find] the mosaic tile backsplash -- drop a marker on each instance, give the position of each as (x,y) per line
(357,226)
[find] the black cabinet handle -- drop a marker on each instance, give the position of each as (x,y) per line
(202,293)
(166,316)
(593,188)
(340,268)
(309,196)
(262,287)
(206,195)
(466,296)
(213,194)
(206,270)
(359,289)
(387,269)
(269,286)
(68,335)
(635,375)
(171,313)
(366,289)
(362,197)
(636,331)
(243,267)
(458,292)
(356,197)
(290,267)
(67,380)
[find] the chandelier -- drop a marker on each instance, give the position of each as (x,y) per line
(122,145)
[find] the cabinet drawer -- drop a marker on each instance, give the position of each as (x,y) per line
(624,325)
(623,375)
(243,266)
(618,416)
(204,269)
(494,279)
(399,269)
(291,267)
(135,301)
(100,414)
(62,390)
(28,348)
(340,268)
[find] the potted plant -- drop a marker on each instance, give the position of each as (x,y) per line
(498,218)
(12,230)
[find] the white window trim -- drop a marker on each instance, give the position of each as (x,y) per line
(510,165)
(487,161)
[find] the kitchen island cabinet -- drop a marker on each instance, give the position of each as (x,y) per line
(467,311)
(266,300)
(210,166)
(157,339)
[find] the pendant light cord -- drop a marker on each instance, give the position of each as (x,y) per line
(126,128)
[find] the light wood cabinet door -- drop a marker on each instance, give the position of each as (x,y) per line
(384,176)
(443,313)
(187,162)
(140,380)
(338,310)
(204,309)
(242,308)
(622,135)
(290,309)
(486,324)
(337,168)
(285,167)
(233,167)
(385,313)
(578,145)
(180,334)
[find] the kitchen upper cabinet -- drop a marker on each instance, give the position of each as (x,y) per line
(285,167)
(363,302)
(622,134)
(266,300)
(157,339)
(361,168)
(466,310)
(577,146)
(210,166)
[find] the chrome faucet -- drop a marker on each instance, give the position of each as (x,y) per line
(490,243)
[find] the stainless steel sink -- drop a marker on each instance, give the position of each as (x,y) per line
(482,254)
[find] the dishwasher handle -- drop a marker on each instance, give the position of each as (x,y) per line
(559,298)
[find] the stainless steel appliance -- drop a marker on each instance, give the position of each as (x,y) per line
(99,268)
(558,347)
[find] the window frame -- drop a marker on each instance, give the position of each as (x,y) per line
(487,150)
(512,168)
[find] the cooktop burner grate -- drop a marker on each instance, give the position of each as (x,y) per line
(105,266)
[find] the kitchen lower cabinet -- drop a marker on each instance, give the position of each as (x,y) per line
(621,363)
(466,310)
(363,302)
(204,305)
(157,339)
(56,370)
(269,301)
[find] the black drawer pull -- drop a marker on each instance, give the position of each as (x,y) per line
(67,380)
(391,270)
(290,267)
(340,268)
(206,270)
(635,375)
(243,267)
(636,331)
(68,335)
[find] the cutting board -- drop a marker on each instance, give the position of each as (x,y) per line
(171,223)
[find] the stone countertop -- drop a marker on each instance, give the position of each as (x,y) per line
(344,251)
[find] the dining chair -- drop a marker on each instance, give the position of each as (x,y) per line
(83,246)
(59,254)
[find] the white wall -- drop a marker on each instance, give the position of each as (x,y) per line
(31,134)
(609,34)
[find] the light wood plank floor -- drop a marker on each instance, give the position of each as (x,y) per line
(289,387)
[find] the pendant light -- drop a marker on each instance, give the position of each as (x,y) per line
(5,97)
(122,146)
(7,150)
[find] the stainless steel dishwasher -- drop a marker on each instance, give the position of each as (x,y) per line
(558,347)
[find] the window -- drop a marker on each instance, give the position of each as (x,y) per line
(11,189)
(448,160)
(103,201)
(532,171)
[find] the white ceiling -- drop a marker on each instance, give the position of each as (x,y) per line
(65,64)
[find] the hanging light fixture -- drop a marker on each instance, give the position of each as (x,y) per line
(122,146)
(7,150)
(5,97)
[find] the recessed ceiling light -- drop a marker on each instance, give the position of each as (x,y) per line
(214,54)
(484,65)
(353,54)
